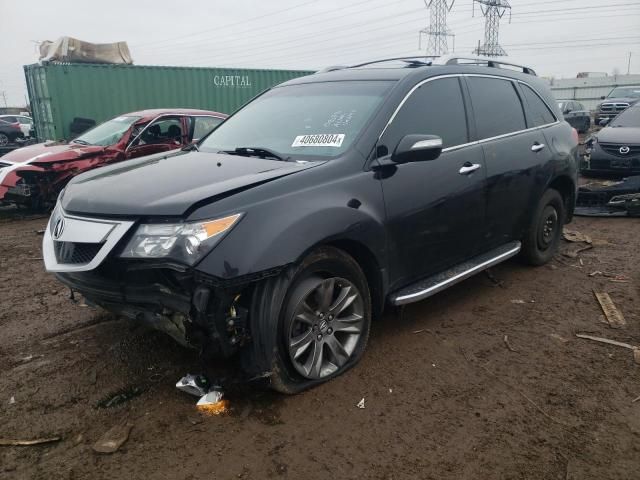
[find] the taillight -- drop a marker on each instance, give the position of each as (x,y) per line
(574,135)
(15,125)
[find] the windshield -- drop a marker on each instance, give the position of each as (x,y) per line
(629,118)
(107,133)
(622,92)
(306,121)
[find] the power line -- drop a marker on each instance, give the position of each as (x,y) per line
(437,32)
(493,11)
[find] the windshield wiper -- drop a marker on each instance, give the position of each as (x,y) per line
(81,142)
(256,152)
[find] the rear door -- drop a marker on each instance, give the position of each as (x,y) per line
(435,209)
(515,151)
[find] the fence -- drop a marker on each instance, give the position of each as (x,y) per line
(589,90)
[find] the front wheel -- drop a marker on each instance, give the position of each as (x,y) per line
(4,140)
(542,238)
(311,323)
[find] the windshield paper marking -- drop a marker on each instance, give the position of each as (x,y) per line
(319,140)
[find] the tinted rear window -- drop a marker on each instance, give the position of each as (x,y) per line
(496,107)
(539,113)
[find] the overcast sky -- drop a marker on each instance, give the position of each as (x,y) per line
(557,37)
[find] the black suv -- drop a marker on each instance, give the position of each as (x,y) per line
(280,236)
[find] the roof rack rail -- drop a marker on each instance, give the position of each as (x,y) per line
(426,61)
(478,60)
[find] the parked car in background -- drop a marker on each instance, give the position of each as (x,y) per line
(281,234)
(619,99)
(25,123)
(10,131)
(34,175)
(575,113)
(615,150)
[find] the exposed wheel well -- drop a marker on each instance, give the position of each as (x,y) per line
(367,261)
(566,188)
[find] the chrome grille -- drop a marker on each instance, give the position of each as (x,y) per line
(613,107)
(75,253)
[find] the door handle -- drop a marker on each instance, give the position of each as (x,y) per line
(536,147)
(467,168)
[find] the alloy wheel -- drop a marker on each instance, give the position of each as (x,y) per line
(326,327)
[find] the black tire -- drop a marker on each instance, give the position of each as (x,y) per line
(4,139)
(542,238)
(273,305)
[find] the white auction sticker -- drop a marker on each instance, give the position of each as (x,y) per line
(319,140)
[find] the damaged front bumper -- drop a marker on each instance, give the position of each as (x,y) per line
(610,198)
(197,310)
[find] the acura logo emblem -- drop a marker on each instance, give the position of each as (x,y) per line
(58,228)
(624,150)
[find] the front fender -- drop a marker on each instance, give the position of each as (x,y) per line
(280,231)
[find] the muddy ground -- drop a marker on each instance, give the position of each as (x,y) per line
(446,397)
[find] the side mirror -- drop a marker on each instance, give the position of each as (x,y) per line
(604,122)
(417,148)
(602,97)
(567,110)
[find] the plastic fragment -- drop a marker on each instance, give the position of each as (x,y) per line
(197,385)
(360,403)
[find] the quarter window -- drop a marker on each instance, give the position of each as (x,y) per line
(496,107)
(538,111)
(434,108)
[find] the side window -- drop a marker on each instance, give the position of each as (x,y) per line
(434,108)
(9,119)
(203,125)
(24,120)
(537,109)
(164,131)
(496,107)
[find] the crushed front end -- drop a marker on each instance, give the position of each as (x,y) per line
(197,310)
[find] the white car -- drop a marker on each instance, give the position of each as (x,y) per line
(26,123)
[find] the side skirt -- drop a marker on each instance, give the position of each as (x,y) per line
(430,286)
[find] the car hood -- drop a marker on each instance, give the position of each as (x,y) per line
(620,135)
(168,185)
(50,152)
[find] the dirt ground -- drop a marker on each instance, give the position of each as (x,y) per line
(446,396)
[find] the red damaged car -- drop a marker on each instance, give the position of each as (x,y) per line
(33,176)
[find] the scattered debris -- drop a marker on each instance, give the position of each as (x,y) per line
(120,396)
(575,236)
(360,404)
(391,390)
(493,279)
(518,301)
(41,231)
(113,439)
(506,342)
(635,400)
(212,403)
(606,199)
(560,338)
(573,253)
(418,331)
(4,442)
(636,350)
(614,316)
(197,385)
(12,400)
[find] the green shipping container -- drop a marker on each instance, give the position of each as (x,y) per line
(58,93)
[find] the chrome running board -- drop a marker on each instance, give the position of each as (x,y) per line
(430,286)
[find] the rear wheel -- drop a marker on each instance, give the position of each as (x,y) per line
(311,323)
(541,240)
(4,139)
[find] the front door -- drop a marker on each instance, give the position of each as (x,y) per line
(435,209)
(161,135)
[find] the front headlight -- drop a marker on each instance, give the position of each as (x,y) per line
(181,242)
